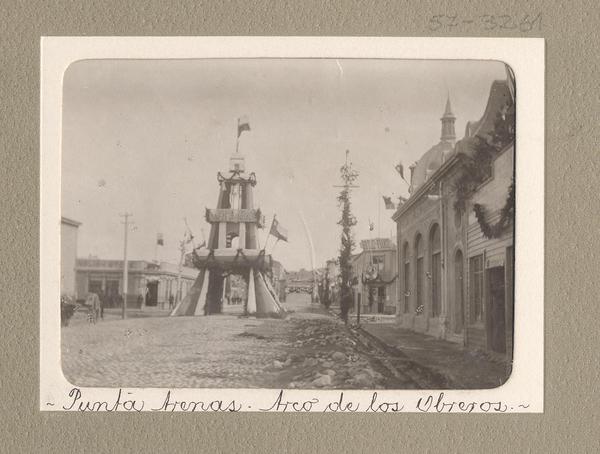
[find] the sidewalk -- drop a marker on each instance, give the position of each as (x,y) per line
(464,369)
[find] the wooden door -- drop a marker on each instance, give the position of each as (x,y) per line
(152,294)
(496,319)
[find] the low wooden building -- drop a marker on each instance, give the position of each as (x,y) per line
(489,266)
(150,283)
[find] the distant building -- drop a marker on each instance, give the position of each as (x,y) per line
(376,277)
(69,230)
(444,256)
(300,281)
(150,283)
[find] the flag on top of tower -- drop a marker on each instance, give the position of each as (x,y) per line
(389,205)
(243,125)
(159,239)
(278,231)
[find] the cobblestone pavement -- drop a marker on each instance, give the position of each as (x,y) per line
(308,349)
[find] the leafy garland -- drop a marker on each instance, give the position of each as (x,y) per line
(506,215)
(477,164)
(475,170)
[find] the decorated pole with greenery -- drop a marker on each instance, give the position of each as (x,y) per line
(347,221)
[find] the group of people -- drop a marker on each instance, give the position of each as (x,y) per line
(96,303)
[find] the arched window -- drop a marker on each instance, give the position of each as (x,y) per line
(420,273)
(459,305)
(406,280)
(435,246)
(232,240)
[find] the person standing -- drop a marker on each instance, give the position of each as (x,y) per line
(93,302)
(171,301)
(102,301)
(96,306)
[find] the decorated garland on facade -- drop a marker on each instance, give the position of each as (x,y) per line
(506,215)
(476,166)
(474,171)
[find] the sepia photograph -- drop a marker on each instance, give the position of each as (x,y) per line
(287,223)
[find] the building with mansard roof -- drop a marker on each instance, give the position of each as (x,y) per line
(489,230)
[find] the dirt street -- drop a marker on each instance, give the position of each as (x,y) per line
(308,349)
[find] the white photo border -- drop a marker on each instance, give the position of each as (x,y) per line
(524,390)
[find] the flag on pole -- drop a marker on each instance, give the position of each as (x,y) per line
(159,239)
(389,205)
(243,125)
(278,231)
(187,236)
(400,169)
(371,226)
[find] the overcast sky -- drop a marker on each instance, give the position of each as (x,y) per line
(148,137)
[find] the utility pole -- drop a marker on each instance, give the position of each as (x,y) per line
(125,264)
(313,296)
(180,269)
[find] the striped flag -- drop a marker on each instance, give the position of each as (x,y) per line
(278,231)
(243,125)
(400,169)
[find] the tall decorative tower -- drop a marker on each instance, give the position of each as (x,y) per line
(448,119)
(232,249)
